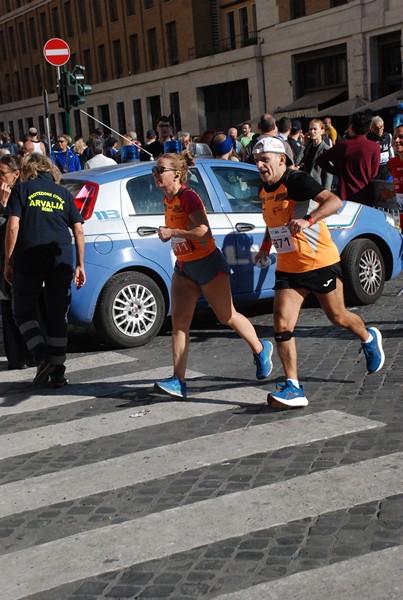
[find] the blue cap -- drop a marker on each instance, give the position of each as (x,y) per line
(221,148)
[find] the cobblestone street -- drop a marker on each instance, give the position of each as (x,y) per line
(110,491)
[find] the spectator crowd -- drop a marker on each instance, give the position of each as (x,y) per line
(347,167)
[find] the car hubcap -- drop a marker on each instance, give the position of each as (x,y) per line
(134,310)
(370,272)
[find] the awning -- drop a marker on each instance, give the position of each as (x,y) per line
(389,101)
(344,109)
(310,104)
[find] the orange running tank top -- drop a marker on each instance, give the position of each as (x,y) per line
(291,198)
(177,213)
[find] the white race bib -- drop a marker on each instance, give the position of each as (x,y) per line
(181,246)
(281,239)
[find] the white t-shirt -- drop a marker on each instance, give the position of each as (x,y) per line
(99,160)
(37,147)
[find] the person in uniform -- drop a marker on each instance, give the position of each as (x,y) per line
(38,252)
(15,347)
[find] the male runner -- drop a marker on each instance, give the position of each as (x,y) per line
(294,206)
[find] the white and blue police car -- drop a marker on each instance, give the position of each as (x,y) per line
(129,270)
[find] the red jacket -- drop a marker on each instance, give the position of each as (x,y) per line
(355,161)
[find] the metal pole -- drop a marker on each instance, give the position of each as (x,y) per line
(46,114)
(68,124)
(117,133)
(66,111)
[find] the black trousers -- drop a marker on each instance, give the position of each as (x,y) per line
(50,341)
(14,344)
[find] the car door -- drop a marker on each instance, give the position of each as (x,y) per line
(143,207)
(237,185)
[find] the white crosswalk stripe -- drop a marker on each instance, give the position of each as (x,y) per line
(179,529)
(21,402)
(38,568)
(72,364)
(376,576)
(165,460)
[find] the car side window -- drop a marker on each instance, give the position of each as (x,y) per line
(241,188)
(145,197)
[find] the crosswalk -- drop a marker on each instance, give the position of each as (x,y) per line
(219,448)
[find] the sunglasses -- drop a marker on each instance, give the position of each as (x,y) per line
(61,141)
(160,170)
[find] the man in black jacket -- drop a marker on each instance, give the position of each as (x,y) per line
(377,134)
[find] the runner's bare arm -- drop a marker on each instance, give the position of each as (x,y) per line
(328,204)
(200,230)
(264,248)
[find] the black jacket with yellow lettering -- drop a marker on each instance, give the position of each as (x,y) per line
(47,212)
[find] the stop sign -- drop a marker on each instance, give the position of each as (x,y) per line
(56,52)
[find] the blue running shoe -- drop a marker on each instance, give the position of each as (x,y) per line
(263,361)
(171,386)
(288,395)
(373,351)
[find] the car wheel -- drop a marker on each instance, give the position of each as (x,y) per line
(130,310)
(364,272)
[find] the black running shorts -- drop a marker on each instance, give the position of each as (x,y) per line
(204,270)
(321,281)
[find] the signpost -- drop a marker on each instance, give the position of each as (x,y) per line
(71,88)
(56,52)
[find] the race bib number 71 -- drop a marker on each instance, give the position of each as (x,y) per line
(281,239)
(181,246)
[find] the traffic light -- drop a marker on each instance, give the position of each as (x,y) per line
(62,90)
(80,88)
(71,88)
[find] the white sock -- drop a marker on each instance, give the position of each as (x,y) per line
(294,382)
(370,338)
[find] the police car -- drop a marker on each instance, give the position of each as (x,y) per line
(129,270)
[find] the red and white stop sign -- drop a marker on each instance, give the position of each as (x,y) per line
(56,52)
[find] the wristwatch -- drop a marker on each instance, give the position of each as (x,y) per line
(309,219)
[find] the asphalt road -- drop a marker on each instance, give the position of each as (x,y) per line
(110,491)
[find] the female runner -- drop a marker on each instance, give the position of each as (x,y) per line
(200,268)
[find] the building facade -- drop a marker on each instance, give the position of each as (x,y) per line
(206,63)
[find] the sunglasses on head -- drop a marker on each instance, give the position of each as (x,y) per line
(160,170)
